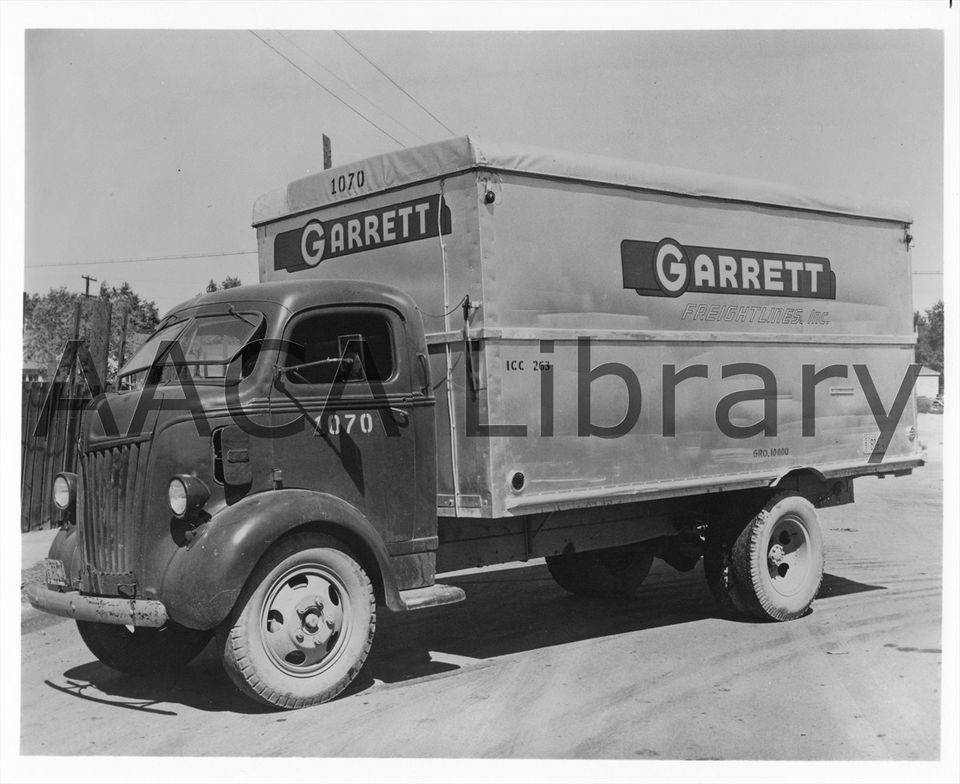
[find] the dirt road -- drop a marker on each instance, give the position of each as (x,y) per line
(521,669)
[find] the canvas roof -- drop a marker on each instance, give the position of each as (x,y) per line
(443,159)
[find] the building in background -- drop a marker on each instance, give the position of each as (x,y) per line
(928,383)
(34,373)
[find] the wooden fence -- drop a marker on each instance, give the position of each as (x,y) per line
(43,458)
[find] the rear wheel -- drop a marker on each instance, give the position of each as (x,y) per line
(140,650)
(777,559)
(718,569)
(303,625)
(614,572)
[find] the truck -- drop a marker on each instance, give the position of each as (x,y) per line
(466,354)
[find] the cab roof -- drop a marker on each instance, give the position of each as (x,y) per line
(298,294)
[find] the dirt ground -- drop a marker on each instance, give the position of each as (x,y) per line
(523,670)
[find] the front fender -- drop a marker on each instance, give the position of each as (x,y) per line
(66,549)
(203,579)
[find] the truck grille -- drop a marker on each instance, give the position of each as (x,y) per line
(112,480)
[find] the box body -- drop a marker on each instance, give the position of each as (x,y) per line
(590,287)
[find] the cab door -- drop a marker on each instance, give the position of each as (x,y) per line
(347,377)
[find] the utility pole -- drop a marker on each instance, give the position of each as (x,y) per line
(327,157)
(88,279)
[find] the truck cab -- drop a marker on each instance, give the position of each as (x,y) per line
(265,414)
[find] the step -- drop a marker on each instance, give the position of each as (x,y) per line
(432,596)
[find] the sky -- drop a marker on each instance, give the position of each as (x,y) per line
(142,144)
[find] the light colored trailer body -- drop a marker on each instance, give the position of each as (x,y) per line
(571,263)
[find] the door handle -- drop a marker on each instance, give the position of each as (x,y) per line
(424,374)
(400,416)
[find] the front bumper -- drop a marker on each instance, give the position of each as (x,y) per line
(97,609)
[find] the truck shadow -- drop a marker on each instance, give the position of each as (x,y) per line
(507,611)
(202,685)
(523,609)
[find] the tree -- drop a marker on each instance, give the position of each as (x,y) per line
(929,349)
(142,319)
(228,283)
(48,322)
(47,325)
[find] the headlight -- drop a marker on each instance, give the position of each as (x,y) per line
(64,491)
(187,495)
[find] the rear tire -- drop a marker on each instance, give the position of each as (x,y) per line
(141,650)
(616,572)
(302,626)
(718,569)
(778,559)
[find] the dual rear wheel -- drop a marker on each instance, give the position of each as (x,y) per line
(616,572)
(770,568)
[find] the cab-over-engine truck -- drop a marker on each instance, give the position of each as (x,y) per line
(465,354)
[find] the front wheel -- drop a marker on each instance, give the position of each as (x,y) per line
(140,650)
(777,559)
(303,625)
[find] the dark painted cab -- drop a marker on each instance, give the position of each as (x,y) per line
(253,418)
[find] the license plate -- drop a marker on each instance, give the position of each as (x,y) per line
(54,573)
(870,442)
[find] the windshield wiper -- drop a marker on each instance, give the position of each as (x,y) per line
(232,311)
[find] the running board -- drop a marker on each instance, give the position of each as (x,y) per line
(431,596)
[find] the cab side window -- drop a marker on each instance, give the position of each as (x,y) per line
(336,347)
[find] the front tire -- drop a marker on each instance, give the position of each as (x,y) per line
(777,560)
(616,572)
(141,650)
(303,625)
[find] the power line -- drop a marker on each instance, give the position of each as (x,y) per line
(345,40)
(145,258)
(350,87)
(226,253)
(325,88)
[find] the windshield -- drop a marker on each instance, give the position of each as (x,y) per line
(144,356)
(202,348)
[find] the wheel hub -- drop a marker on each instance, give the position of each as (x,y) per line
(788,555)
(310,613)
(775,556)
(304,620)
